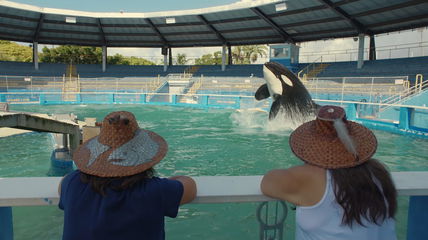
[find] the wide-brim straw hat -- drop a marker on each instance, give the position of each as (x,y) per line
(121,149)
(331,141)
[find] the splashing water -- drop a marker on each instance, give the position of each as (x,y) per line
(257,120)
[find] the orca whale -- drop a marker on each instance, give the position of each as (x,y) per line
(289,95)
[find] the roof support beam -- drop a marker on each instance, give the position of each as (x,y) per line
(213,29)
(390,8)
(284,34)
(103,36)
(39,26)
(356,24)
(156,30)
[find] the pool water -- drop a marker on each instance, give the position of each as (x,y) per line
(201,142)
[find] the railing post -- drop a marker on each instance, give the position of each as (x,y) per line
(78,98)
(417,218)
(42,99)
(174,99)
(6,223)
(205,100)
(143,98)
(238,102)
(351,111)
(405,117)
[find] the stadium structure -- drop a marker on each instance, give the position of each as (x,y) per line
(387,94)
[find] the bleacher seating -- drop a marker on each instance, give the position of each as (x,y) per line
(391,67)
(95,70)
(388,67)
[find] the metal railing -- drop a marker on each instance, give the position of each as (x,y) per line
(303,74)
(43,191)
(368,89)
(385,52)
(409,92)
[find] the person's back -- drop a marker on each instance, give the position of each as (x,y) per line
(114,194)
(340,192)
(324,220)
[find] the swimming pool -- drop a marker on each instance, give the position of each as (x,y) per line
(201,142)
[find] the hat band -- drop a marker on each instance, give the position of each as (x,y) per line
(139,150)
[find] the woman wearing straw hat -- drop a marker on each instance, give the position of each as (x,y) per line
(340,191)
(114,194)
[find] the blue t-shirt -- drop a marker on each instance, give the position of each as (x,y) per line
(135,213)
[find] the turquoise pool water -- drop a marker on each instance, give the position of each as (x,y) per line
(201,142)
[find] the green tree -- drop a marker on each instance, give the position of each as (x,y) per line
(138,61)
(209,59)
(181,59)
(117,59)
(248,54)
(71,54)
(11,51)
(86,55)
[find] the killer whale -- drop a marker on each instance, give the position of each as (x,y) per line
(288,93)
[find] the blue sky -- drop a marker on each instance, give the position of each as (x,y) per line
(126,5)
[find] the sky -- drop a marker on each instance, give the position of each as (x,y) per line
(406,39)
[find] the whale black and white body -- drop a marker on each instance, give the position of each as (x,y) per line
(289,95)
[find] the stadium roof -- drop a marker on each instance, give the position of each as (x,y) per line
(256,22)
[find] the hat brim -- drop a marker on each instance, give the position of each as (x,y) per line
(328,152)
(102,166)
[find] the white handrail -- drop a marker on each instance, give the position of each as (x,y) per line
(39,191)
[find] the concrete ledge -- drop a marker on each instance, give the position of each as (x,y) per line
(39,191)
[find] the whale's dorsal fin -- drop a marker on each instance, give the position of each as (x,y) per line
(262,92)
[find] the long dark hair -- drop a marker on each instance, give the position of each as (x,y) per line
(100,184)
(365,191)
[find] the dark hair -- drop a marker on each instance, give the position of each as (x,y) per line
(365,191)
(100,184)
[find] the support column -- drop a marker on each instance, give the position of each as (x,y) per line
(417,218)
(6,223)
(170,56)
(406,116)
(372,52)
(229,52)
(104,58)
(165,63)
(164,51)
(223,58)
(360,50)
(36,55)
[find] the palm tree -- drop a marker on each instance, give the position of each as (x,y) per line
(248,54)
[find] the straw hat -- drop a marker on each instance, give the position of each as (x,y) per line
(330,141)
(121,149)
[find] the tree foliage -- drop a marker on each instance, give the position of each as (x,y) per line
(248,54)
(11,51)
(209,59)
(86,55)
(181,59)
(240,55)
(71,55)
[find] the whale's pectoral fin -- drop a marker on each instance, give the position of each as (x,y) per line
(274,109)
(262,92)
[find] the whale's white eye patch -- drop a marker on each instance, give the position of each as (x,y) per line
(287,80)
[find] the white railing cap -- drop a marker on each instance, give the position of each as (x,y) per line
(37,191)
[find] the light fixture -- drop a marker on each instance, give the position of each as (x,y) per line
(70,19)
(281,6)
(170,20)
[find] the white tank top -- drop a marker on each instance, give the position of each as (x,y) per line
(323,221)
